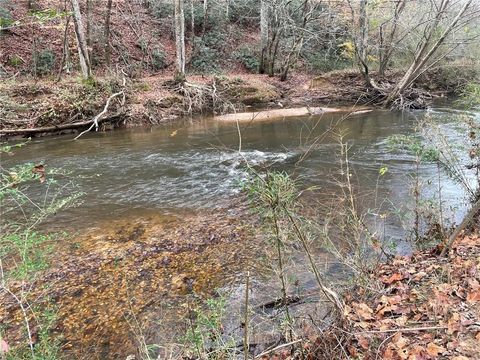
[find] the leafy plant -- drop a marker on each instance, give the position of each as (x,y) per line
(470,96)
(248,59)
(15,61)
(205,330)
(29,193)
(205,58)
(6,18)
(158,59)
(44,61)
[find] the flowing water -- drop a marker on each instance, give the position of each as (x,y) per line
(199,167)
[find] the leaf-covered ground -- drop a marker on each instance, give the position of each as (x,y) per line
(418,307)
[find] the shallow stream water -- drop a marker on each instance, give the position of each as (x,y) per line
(198,166)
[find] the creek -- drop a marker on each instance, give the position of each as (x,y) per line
(149,176)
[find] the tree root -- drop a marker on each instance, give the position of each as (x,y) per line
(198,98)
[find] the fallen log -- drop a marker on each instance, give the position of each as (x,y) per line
(54,128)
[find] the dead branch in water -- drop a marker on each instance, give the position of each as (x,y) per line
(46,129)
(105,109)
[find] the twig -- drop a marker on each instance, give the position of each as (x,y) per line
(422,328)
(278,348)
(466,221)
(245,335)
(25,317)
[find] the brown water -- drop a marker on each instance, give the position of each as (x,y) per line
(197,169)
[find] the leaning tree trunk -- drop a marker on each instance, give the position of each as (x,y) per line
(180,39)
(263,36)
(423,55)
(81,42)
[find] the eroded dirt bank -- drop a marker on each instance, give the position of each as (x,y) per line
(36,108)
(115,282)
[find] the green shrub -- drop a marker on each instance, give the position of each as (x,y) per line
(245,12)
(161,9)
(159,59)
(248,59)
(214,39)
(15,61)
(44,61)
(470,96)
(6,18)
(321,63)
(208,52)
(205,59)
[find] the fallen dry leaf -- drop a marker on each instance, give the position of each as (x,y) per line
(363,310)
(434,349)
(363,342)
(40,170)
(473,296)
(393,278)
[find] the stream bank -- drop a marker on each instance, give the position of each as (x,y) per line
(45,106)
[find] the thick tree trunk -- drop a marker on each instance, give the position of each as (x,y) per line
(81,42)
(180,39)
(263,36)
(106,45)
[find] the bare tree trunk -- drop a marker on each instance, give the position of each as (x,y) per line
(180,39)
(106,45)
(387,45)
(81,42)
(423,55)
(192,25)
(263,35)
(205,16)
(362,42)
(299,37)
(89,29)
(65,55)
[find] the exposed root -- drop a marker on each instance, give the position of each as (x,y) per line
(198,98)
